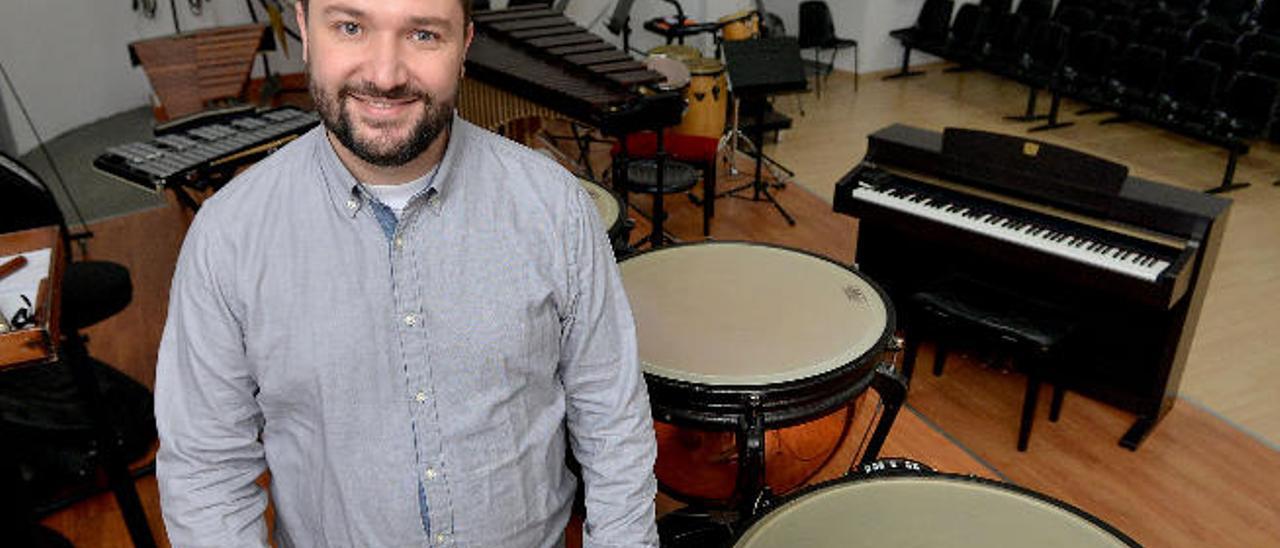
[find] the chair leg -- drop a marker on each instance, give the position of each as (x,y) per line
(1029,408)
(1055,405)
(905,71)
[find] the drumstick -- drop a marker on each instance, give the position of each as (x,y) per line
(12,265)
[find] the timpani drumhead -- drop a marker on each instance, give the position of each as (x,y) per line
(943,510)
(726,313)
(606,204)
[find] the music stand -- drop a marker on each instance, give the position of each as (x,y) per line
(758,69)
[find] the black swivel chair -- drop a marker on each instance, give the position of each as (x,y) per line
(66,419)
(818,33)
(928,34)
(1089,61)
(1267,17)
(996,6)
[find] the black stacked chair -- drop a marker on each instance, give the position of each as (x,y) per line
(1210,29)
(1248,109)
(1006,44)
(1088,64)
(1267,16)
(1136,78)
(1188,94)
(967,36)
(65,420)
(1225,54)
(929,34)
(1035,11)
(1253,42)
(1039,68)
(997,6)
(1265,63)
(1170,40)
(1120,27)
(1076,19)
(1232,12)
(818,33)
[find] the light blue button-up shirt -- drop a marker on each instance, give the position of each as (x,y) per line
(459,355)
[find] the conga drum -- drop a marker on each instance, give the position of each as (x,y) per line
(923,508)
(743,25)
(753,355)
(612,214)
(708,99)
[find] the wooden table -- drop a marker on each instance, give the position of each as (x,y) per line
(37,343)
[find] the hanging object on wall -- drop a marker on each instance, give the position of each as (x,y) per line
(197,6)
(147,7)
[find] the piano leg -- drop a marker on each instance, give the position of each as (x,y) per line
(1137,433)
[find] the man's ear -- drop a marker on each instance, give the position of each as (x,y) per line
(300,15)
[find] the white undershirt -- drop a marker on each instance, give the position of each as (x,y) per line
(397,197)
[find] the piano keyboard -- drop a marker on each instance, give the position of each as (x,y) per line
(1063,238)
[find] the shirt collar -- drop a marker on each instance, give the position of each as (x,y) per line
(345,191)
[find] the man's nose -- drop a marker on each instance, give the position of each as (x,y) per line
(385,66)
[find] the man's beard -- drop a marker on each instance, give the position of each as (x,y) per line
(380,150)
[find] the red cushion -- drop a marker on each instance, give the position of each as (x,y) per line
(685,148)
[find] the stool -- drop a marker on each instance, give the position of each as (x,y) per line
(1030,331)
(642,176)
(695,150)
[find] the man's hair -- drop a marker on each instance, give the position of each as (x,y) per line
(466,9)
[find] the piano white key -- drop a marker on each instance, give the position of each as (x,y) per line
(1026,234)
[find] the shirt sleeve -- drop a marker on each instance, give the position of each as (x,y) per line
(609,419)
(207,417)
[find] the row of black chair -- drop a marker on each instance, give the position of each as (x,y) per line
(1210,79)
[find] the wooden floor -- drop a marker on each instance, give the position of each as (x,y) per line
(1198,480)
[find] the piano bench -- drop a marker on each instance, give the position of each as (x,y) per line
(1029,331)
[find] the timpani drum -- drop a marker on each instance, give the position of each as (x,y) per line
(753,355)
(611,212)
(708,99)
(923,508)
(743,25)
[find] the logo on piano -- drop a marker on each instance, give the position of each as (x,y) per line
(1031,149)
(854,295)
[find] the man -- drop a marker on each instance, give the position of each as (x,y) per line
(400,316)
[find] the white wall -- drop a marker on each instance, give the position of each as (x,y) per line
(69,59)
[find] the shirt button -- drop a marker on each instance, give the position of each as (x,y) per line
(411,320)
(420,397)
(440,538)
(352,203)
(399,242)
(431,473)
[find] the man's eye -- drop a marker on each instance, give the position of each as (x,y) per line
(349,29)
(422,35)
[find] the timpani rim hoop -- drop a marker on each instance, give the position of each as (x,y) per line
(876,496)
(806,388)
(608,204)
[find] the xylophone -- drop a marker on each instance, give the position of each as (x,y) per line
(204,151)
(531,60)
